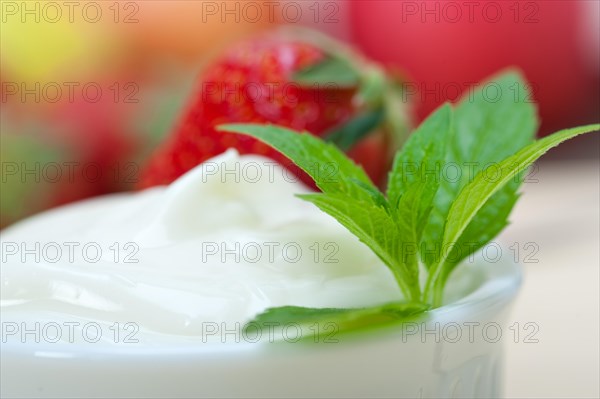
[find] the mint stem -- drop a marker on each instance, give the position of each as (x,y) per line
(438,293)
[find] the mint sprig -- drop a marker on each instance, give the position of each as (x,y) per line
(477,194)
(488,125)
(423,211)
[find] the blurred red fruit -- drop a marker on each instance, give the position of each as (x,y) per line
(255,82)
(444,46)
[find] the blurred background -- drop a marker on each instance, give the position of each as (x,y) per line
(100,83)
(90,88)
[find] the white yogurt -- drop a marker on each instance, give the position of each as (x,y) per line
(139,329)
(221,244)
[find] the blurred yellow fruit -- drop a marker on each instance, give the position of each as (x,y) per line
(186,30)
(45,41)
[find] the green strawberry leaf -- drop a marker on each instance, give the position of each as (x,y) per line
(333,320)
(477,194)
(354,130)
(334,71)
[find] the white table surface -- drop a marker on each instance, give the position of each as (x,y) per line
(560,293)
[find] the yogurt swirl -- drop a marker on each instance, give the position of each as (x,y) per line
(217,245)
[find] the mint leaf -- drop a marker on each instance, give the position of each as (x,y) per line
(490,124)
(422,206)
(418,164)
(489,221)
(333,320)
(477,194)
(376,228)
(414,181)
(332,171)
(333,71)
(350,198)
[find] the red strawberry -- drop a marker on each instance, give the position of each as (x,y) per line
(306,84)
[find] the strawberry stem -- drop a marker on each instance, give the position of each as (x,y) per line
(351,132)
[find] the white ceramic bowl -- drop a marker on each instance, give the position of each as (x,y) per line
(424,358)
